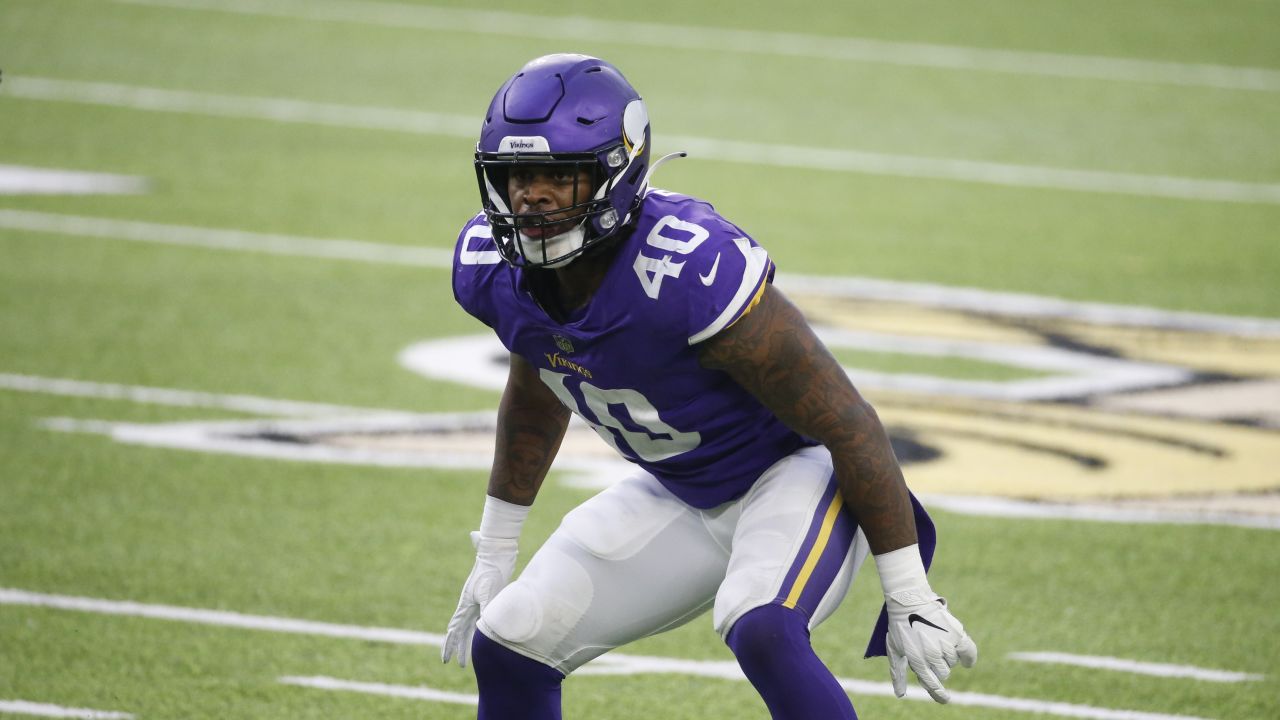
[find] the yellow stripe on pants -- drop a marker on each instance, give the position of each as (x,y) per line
(819,545)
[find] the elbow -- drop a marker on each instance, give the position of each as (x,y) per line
(857,426)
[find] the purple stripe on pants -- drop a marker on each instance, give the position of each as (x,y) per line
(829,561)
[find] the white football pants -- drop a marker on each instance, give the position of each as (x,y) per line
(634,561)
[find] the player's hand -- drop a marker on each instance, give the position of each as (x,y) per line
(926,637)
(495,561)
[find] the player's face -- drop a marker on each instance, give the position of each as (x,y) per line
(537,189)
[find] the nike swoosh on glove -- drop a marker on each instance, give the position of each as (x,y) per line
(925,636)
(495,561)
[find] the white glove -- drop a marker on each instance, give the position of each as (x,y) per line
(495,561)
(923,634)
(496,550)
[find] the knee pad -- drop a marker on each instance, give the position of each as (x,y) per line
(535,614)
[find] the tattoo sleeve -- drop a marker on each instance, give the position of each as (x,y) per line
(774,354)
(531,424)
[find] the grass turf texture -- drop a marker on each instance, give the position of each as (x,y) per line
(383,547)
(86,516)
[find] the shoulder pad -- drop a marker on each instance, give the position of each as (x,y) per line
(696,266)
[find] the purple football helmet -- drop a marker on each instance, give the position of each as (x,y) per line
(570,110)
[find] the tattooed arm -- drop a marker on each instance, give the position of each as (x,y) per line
(531,424)
(773,353)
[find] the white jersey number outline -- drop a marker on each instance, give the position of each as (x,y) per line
(467,256)
(650,270)
(656,442)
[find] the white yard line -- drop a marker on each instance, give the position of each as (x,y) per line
(240,106)
(613,663)
(320,682)
(755,42)
(924,294)
(175,398)
(22,707)
(222,618)
(1041,707)
(985,506)
(748,153)
(25,180)
(1136,667)
(730,671)
(218,239)
(1022,304)
(975,171)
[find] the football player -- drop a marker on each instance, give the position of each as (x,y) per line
(762,478)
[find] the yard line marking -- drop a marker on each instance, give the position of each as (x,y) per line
(925,294)
(986,506)
(175,398)
(217,239)
(1135,666)
(241,106)
(748,153)
(755,42)
(222,618)
(1024,304)
(321,682)
(975,171)
(1048,707)
(617,664)
(726,670)
(25,180)
(613,663)
(22,707)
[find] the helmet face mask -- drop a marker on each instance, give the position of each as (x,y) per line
(575,113)
(541,238)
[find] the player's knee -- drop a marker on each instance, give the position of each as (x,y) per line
(536,614)
(767,639)
(495,662)
(515,615)
(512,685)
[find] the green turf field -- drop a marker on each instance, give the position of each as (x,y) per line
(182,483)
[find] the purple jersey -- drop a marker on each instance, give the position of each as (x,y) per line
(627,362)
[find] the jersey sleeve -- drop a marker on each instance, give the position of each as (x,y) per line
(724,299)
(702,271)
(474,260)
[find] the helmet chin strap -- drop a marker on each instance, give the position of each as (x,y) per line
(569,241)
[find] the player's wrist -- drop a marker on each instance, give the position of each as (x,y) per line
(502,520)
(902,571)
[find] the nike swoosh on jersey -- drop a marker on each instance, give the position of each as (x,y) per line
(711,276)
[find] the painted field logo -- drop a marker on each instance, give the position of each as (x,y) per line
(997,404)
(1045,400)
